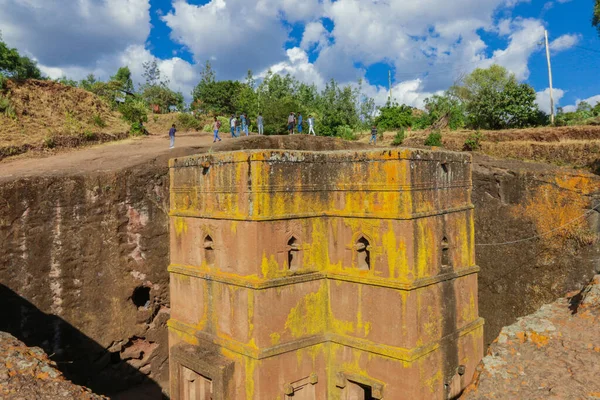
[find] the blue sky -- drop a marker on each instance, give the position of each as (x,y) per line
(427,44)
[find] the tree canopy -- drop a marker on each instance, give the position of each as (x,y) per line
(494,99)
(15,66)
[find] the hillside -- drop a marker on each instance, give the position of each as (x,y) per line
(45,114)
(573,146)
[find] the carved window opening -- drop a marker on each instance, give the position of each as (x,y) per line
(358,391)
(209,250)
(293,254)
(363,256)
(446,262)
(195,386)
(445,168)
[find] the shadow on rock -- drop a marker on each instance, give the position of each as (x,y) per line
(79,358)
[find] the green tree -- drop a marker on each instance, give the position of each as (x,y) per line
(495,100)
(446,106)
(337,106)
(366,107)
(156,92)
(15,66)
(394,116)
(88,83)
(247,99)
(123,76)
(584,107)
(219,97)
(67,82)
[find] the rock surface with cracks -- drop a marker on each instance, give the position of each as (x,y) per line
(27,373)
(551,354)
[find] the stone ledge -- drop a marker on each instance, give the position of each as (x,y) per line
(253,282)
(397,353)
(324,214)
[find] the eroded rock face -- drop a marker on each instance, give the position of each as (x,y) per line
(83,273)
(553,353)
(550,208)
(27,373)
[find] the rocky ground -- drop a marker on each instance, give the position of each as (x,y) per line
(27,373)
(551,354)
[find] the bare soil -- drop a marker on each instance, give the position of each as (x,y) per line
(571,146)
(135,151)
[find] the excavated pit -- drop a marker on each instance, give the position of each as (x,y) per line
(84,254)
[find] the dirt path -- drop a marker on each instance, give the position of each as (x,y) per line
(131,152)
(105,157)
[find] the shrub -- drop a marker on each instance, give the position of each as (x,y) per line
(3,80)
(137,129)
(187,122)
(398,138)
(207,128)
(98,121)
(7,108)
(345,132)
(89,135)
(473,142)
(49,142)
(134,111)
(224,124)
(434,139)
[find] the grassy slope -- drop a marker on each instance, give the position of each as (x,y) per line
(576,146)
(47,109)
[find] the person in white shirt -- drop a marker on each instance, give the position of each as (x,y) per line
(261,127)
(311,125)
(291,120)
(232,123)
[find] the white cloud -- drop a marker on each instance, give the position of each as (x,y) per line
(74,35)
(409,92)
(314,34)
(592,101)
(523,42)
(237,35)
(564,42)
(298,66)
(543,98)
(428,43)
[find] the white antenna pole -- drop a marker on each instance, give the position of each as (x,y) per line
(390,85)
(550,79)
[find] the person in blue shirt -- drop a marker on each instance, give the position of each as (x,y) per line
(238,125)
(373,135)
(243,120)
(299,123)
(172,135)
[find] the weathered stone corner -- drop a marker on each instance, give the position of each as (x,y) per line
(323,275)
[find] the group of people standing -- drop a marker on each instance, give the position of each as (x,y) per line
(241,124)
(294,121)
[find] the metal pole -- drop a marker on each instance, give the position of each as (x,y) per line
(390,85)
(550,79)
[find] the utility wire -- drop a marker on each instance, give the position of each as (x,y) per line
(543,234)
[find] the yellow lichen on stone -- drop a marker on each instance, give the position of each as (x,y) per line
(309,317)
(180,225)
(275,338)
